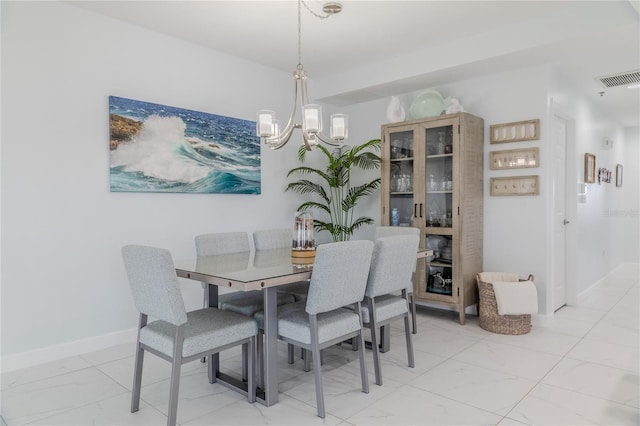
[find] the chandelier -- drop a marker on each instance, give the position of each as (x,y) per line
(269,129)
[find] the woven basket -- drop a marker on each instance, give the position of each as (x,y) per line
(491,320)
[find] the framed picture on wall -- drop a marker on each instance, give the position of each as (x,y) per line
(514,158)
(161,148)
(515,185)
(618,175)
(589,168)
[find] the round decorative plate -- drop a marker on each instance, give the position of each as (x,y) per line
(427,104)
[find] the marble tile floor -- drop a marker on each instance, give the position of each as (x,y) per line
(580,367)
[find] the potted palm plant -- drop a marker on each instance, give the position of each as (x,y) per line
(332,189)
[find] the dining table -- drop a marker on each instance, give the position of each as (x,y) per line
(263,270)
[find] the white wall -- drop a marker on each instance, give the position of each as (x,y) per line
(62,275)
(602,227)
(631,195)
(516,229)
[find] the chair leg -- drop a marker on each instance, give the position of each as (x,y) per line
(412,305)
(260,359)
(205,304)
(361,349)
(407,334)
(174,387)
(173,394)
(306,366)
(137,372)
(251,386)
(317,369)
(245,361)
(290,353)
(373,326)
(137,379)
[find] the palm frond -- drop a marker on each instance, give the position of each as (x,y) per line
(338,198)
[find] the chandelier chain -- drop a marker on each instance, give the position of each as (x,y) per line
(299,37)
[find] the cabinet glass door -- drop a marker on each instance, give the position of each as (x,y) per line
(401,179)
(439,205)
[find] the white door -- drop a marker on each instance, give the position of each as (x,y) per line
(559,141)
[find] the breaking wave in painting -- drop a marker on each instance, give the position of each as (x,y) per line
(178,150)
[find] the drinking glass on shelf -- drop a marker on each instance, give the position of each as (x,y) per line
(440,146)
(395,149)
(406,147)
(431,183)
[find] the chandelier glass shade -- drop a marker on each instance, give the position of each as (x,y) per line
(269,129)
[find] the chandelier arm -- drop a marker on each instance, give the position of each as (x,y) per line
(291,122)
(329,141)
(304,99)
(278,141)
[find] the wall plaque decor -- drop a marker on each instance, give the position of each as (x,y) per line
(515,132)
(514,159)
(589,168)
(604,175)
(618,175)
(159,148)
(515,185)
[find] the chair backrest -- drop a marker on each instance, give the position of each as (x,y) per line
(339,275)
(392,264)
(154,283)
(222,243)
(267,239)
(390,231)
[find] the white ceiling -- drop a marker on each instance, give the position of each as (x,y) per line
(581,39)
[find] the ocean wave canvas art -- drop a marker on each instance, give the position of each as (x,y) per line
(159,148)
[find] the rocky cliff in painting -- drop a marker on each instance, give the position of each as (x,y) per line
(122,129)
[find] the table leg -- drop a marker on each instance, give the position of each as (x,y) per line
(270,346)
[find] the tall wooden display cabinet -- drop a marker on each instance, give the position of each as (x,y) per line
(432,179)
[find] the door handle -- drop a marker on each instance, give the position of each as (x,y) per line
(420,209)
(415,209)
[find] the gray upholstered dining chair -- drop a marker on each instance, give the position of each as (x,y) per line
(388,231)
(267,239)
(176,335)
(245,303)
(391,267)
(338,280)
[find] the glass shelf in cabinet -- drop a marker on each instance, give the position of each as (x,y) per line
(442,263)
(444,291)
(439,230)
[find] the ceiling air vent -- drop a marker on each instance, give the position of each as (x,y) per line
(620,79)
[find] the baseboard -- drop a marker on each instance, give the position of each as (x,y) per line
(611,272)
(66,350)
